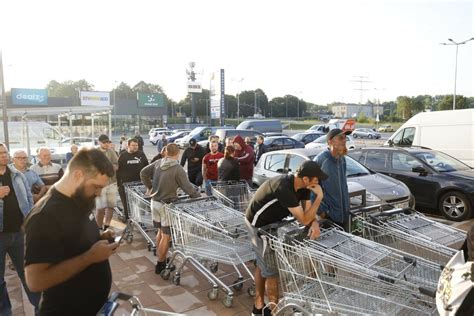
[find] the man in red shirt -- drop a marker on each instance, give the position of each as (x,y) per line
(209,166)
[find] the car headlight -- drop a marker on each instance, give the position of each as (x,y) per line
(370,197)
(402,205)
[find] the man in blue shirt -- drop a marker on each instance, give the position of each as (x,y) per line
(36,185)
(335,205)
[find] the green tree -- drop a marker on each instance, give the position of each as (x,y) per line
(68,88)
(447,103)
(144,87)
(362,118)
(123,91)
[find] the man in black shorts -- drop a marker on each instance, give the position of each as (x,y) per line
(276,199)
(66,257)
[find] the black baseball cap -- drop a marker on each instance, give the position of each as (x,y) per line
(192,142)
(336,132)
(104,138)
(311,169)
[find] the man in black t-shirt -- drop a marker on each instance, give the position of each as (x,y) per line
(66,256)
(15,203)
(130,163)
(276,199)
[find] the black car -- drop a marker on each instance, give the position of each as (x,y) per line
(437,180)
(281,142)
(307,137)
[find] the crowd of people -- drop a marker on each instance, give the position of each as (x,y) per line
(54,222)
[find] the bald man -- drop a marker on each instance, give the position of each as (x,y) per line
(48,171)
(35,184)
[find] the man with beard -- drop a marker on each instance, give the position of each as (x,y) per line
(66,256)
(193,155)
(130,163)
(332,161)
(15,203)
(245,156)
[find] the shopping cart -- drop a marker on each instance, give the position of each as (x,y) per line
(373,227)
(139,205)
(416,224)
(199,237)
(393,265)
(140,212)
(109,308)
(235,194)
(212,211)
(316,283)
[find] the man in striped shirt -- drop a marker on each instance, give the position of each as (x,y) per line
(48,171)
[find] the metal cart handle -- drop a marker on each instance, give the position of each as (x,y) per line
(406,211)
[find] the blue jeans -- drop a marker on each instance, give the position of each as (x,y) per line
(14,245)
(209,187)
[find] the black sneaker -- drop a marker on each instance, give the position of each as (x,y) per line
(261,312)
(160,266)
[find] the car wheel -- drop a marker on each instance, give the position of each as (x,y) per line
(455,206)
(370,136)
(355,135)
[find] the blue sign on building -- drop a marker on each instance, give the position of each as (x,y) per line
(29,96)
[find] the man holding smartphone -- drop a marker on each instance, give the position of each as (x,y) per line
(66,256)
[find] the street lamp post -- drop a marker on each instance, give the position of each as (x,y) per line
(456,64)
(298,106)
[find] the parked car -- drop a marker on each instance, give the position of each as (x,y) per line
(263,126)
(317,128)
(80,141)
(321,142)
(281,142)
(448,131)
(437,180)
(154,138)
(177,135)
(307,137)
(365,133)
(225,133)
(157,129)
(380,189)
(385,128)
(199,133)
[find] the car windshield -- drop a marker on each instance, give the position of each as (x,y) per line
(299,136)
(355,169)
(320,140)
(196,131)
(441,162)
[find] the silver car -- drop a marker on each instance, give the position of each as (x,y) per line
(365,133)
(380,189)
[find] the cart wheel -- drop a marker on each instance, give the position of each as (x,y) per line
(165,274)
(154,251)
(149,246)
(212,294)
(238,284)
(214,267)
(251,291)
(176,280)
(228,301)
(130,238)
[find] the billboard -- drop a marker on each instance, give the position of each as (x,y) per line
(95,98)
(194,87)
(151,100)
(29,96)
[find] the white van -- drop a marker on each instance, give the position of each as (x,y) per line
(451,132)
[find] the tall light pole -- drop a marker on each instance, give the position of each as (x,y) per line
(238,98)
(3,98)
(298,107)
(456,64)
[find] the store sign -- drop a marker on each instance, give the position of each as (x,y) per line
(29,96)
(95,98)
(151,100)
(194,87)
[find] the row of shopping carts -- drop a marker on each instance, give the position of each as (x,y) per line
(389,264)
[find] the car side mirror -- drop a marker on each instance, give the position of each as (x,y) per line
(281,170)
(421,170)
(390,143)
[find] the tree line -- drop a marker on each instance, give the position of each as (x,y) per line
(256,101)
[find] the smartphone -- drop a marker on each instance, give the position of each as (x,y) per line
(118,239)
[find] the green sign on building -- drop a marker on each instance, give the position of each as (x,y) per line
(151,100)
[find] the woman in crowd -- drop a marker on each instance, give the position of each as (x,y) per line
(228,167)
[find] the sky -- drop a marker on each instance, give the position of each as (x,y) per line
(316,50)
